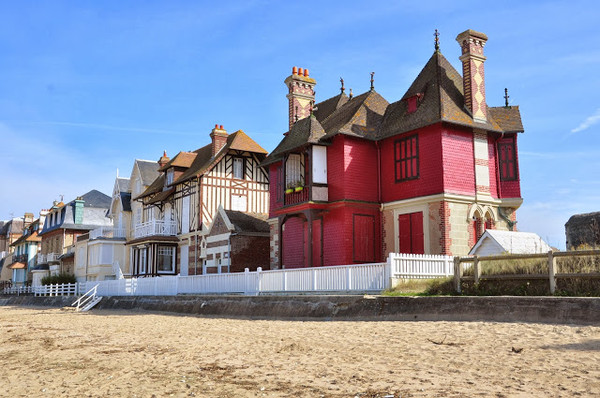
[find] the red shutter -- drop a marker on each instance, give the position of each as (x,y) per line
(404,233)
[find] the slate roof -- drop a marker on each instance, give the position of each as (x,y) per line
(360,116)
(95,198)
(123,184)
(148,170)
(441,89)
(438,90)
(95,209)
(508,118)
(248,222)
(14,226)
(327,107)
(156,186)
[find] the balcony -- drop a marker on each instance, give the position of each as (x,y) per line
(108,233)
(155,228)
(47,258)
(20,258)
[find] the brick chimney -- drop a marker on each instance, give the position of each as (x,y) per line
(218,136)
(472,59)
(301,95)
(164,159)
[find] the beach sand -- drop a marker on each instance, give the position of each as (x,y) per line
(59,353)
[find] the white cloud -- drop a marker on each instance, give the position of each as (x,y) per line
(588,122)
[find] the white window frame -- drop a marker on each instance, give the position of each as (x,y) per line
(162,250)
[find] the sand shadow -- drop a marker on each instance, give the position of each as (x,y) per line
(588,345)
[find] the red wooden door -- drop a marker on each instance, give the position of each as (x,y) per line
(364,238)
(411,236)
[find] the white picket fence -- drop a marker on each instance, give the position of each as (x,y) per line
(420,266)
(344,278)
(63,289)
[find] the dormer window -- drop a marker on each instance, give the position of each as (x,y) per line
(238,168)
(170,174)
(413,102)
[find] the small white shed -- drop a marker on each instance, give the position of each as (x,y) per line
(494,242)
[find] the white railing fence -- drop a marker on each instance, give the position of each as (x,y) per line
(155,227)
(107,232)
(63,289)
(344,278)
(420,266)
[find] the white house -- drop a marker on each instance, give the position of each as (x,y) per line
(494,242)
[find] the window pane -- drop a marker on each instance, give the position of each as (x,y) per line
(238,168)
(165,259)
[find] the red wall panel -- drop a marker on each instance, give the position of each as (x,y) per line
(293,243)
(458,165)
(335,168)
(360,169)
(430,179)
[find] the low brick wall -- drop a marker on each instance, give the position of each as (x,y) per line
(576,310)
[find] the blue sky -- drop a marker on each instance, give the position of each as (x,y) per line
(86,86)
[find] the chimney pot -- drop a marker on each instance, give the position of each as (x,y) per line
(216,126)
(221,127)
(300,71)
(306,72)
(294,70)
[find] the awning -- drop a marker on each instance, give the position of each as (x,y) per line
(17,265)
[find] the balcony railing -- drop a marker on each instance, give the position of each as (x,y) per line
(20,258)
(46,258)
(296,197)
(155,227)
(108,232)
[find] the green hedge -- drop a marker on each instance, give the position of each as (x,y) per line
(58,279)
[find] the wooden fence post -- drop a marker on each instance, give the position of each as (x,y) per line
(552,271)
(476,269)
(457,273)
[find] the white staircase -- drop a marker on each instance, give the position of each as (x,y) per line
(87,301)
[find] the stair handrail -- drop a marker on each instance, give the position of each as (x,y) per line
(86,298)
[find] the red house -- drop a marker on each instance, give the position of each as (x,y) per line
(356,178)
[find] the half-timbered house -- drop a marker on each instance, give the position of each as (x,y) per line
(356,177)
(181,203)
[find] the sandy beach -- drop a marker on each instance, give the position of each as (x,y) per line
(58,353)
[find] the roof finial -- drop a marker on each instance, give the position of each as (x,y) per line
(351,95)
(342,81)
(372,81)
(437,41)
(506,97)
